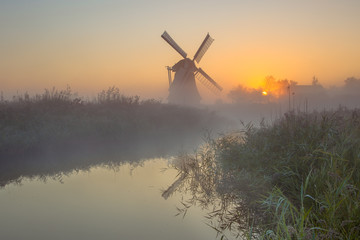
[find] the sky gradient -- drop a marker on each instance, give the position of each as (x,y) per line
(91,45)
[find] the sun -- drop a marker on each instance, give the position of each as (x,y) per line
(264,93)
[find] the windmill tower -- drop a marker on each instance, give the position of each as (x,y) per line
(183,90)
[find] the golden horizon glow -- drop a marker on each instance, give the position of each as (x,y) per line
(103,44)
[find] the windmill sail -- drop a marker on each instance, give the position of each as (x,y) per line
(172,43)
(203,48)
(207,81)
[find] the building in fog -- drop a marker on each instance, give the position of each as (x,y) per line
(311,96)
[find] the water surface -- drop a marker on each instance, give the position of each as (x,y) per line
(123,202)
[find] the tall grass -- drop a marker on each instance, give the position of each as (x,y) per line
(297,178)
(311,163)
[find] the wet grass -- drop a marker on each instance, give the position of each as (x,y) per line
(296,178)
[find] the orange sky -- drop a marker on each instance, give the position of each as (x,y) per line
(91,45)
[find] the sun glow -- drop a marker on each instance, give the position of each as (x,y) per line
(264,93)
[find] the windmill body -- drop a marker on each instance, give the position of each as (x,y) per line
(183,89)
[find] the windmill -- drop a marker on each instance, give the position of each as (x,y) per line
(183,90)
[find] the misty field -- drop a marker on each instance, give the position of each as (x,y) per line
(296,178)
(40,134)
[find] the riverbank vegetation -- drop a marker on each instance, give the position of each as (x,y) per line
(296,178)
(41,134)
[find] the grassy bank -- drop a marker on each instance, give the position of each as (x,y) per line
(297,178)
(41,134)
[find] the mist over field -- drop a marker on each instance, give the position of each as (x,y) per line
(276,97)
(42,133)
(180,120)
(57,132)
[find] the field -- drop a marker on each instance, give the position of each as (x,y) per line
(56,131)
(297,177)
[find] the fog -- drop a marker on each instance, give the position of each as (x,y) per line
(277,96)
(297,97)
(56,133)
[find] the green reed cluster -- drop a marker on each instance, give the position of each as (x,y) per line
(303,172)
(296,178)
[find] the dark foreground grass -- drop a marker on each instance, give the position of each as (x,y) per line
(297,178)
(41,134)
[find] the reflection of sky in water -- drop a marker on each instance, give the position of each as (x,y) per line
(100,204)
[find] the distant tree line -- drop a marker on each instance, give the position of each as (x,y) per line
(284,91)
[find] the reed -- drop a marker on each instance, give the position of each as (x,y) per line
(296,178)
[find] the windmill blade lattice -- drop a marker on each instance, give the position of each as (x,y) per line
(203,48)
(172,43)
(207,81)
